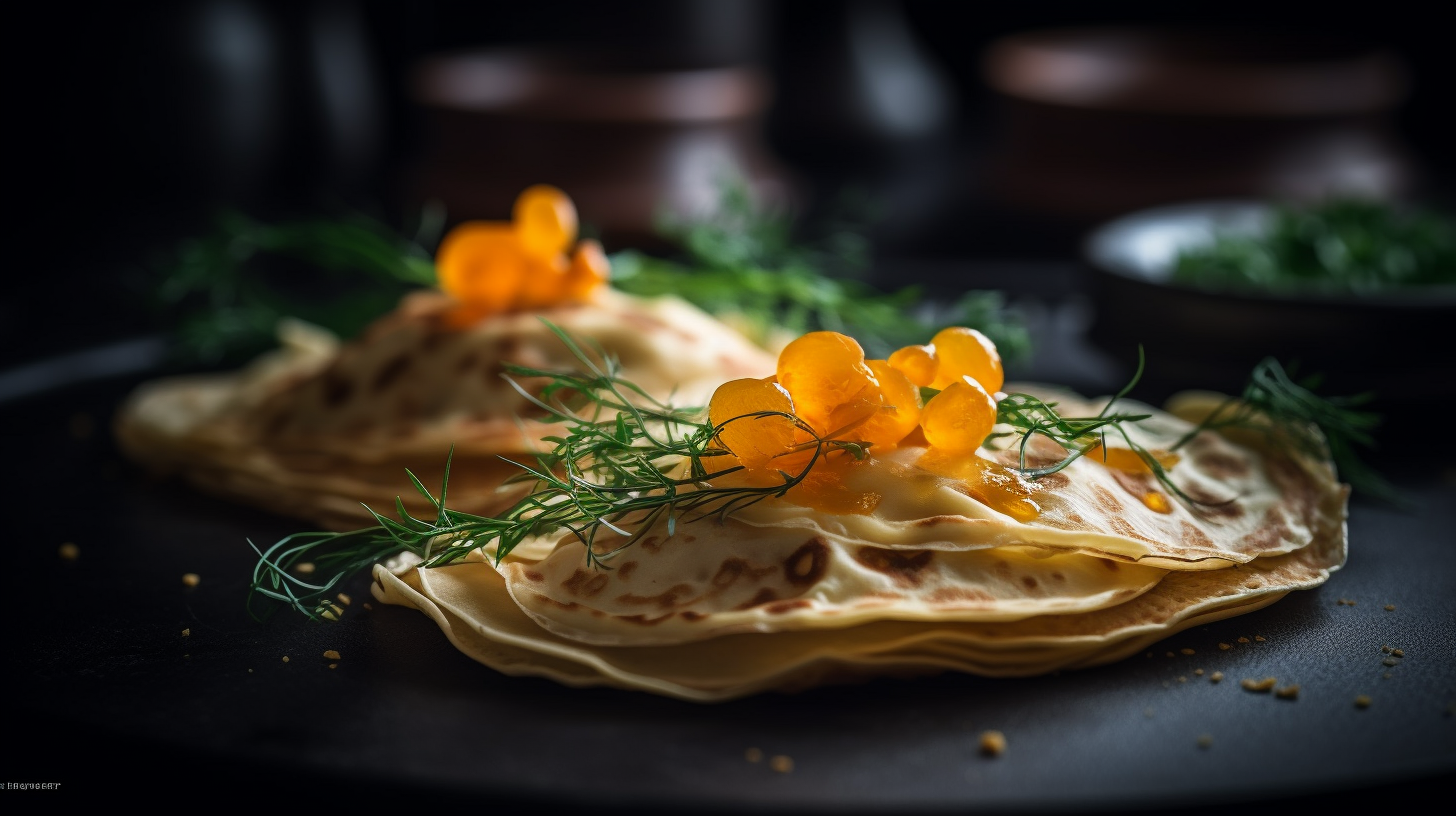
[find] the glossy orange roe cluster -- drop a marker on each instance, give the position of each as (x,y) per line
(531,262)
(824,379)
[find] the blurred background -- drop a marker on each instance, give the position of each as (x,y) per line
(975,145)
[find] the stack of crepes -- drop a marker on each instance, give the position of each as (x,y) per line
(318,429)
(970,568)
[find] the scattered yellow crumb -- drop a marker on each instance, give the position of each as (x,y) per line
(1287,693)
(1386,676)
(1170,654)
(186,633)
(1224,647)
(993,743)
(1186,650)
(1362,701)
(1182,679)
(1390,607)
(1198,672)
(1267,684)
(188,656)
(332,654)
(1397,652)
(1205,741)
(285,658)
(345,599)
(1259,638)
(1243,640)
(753,755)
(368,607)
(781,763)
(333,665)
(1390,661)
(191,579)
(250,671)
(1148,712)
(1216,677)
(1385,649)
(70,551)
(306,568)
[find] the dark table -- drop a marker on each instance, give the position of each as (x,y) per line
(125,683)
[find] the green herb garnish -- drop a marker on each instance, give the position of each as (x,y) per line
(228,289)
(624,462)
(1337,246)
(743,263)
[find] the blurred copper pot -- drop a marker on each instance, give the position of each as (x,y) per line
(1102,121)
(622,144)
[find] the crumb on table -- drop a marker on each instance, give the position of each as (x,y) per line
(993,743)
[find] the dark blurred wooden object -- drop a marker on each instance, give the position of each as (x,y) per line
(1101,121)
(622,143)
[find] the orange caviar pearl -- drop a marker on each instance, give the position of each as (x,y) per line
(900,413)
(754,440)
(480,264)
(823,370)
(544,282)
(590,270)
(919,363)
(967,353)
(545,219)
(959,418)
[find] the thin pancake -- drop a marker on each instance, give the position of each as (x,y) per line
(317,429)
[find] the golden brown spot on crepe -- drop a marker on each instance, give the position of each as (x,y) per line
(1057,576)
(959,594)
(1112,565)
(625,571)
(1135,484)
(389,372)
(1213,506)
(532,575)
(651,544)
(806,565)
(1193,536)
(585,584)
(786,606)
(549,600)
(931,521)
(690,615)
(904,566)
(1028,581)
(734,568)
(1273,531)
(666,600)
(764,596)
(1222,466)
(644,620)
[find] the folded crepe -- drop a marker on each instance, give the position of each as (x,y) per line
(960,565)
(318,428)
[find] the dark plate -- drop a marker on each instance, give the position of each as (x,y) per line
(110,698)
(1393,343)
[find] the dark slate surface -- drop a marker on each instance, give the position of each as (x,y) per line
(108,699)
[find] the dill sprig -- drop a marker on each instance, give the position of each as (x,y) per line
(1322,427)
(623,463)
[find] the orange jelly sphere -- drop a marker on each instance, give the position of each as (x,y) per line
(966,352)
(919,363)
(823,370)
(899,413)
(480,263)
(589,271)
(754,440)
(545,220)
(959,418)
